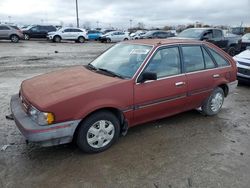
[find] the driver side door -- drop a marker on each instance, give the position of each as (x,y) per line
(165,96)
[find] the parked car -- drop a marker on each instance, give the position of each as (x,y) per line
(37,31)
(131,83)
(137,34)
(245,42)
(114,36)
(243,64)
(158,34)
(8,32)
(69,33)
(94,34)
(230,43)
(104,31)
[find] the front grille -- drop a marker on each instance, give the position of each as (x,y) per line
(244,71)
(243,63)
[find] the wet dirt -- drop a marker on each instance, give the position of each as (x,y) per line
(186,150)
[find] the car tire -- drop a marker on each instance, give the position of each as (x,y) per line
(14,38)
(57,38)
(81,39)
(126,39)
(214,102)
(108,40)
(98,132)
(231,51)
(26,37)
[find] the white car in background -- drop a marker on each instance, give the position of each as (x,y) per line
(243,65)
(115,36)
(137,34)
(69,33)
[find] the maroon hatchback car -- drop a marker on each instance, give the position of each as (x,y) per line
(131,83)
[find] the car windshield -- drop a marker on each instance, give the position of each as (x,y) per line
(122,59)
(191,33)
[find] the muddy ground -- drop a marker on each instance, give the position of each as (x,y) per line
(187,150)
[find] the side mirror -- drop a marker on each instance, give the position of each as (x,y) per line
(147,76)
(204,38)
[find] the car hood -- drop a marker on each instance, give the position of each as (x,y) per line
(51,33)
(51,88)
(244,55)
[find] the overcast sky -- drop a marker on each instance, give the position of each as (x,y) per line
(117,13)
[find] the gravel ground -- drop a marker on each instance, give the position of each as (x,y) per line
(186,150)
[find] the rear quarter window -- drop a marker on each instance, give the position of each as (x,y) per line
(221,61)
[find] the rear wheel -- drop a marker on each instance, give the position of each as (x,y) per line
(98,132)
(14,38)
(126,39)
(81,39)
(214,102)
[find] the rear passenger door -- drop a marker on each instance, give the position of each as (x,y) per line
(164,96)
(201,74)
(4,31)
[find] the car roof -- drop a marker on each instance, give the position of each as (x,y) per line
(204,28)
(157,42)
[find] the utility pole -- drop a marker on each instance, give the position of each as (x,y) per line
(77,18)
(130,21)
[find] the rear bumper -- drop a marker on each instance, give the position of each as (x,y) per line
(59,133)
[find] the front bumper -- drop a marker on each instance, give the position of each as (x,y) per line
(55,134)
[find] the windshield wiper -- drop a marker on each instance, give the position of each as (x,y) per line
(92,67)
(111,73)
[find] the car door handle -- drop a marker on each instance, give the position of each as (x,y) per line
(216,76)
(177,84)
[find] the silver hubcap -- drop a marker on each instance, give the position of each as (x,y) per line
(14,39)
(100,134)
(81,40)
(26,37)
(216,102)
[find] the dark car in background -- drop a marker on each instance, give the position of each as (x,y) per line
(230,43)
(9,32)
(157,35)
(38,31)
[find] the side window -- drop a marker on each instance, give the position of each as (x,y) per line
(193,58)
(218,58)
(34,28)
(208,34)
(217,34)
(166,62)
(4,28)
(208,60)
(67,30)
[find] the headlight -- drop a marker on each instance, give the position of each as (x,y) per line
(42,118)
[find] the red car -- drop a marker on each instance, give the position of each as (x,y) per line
(131,83)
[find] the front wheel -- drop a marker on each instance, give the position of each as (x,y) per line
(214,102)
(108,40)
(57,39)
(98,132)
(26,37)
(231,51)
